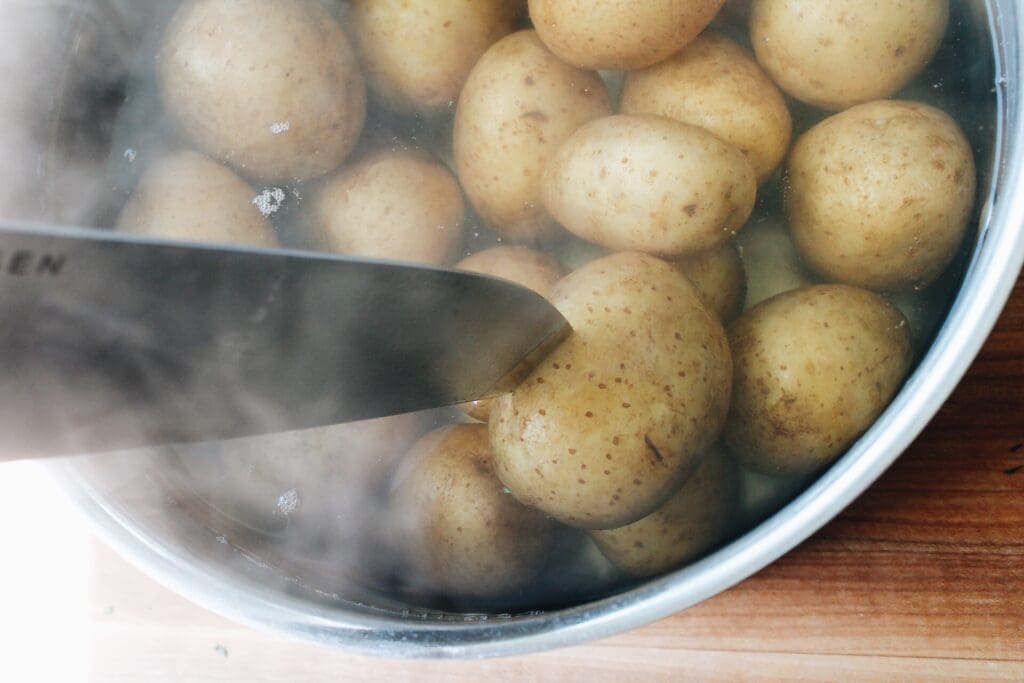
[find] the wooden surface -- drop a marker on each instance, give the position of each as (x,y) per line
(922,578)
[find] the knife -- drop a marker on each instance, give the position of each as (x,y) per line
(110,342)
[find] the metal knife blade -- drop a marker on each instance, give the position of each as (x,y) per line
(111,342)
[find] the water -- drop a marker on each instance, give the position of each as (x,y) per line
(315,511)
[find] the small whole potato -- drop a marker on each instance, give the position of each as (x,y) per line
(605,429)
(464,534)
(716,84)
(418,54)
(814,367)
(770,261)
(619,34)
(840,53)
(302,479)
(400,205)
(271,88)
(879,196)
(521,265)
(720,279)
(694,520)
(650,184)
(187,196)
(519,104)
(526,267)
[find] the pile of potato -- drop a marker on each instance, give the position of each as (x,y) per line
(614,152)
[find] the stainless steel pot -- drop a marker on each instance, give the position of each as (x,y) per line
(64,68)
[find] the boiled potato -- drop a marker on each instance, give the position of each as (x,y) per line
(770,260)
(650,184)
(840,53)
(762,495)
(611,422)
(418,53)
(465,535)
(574,252)
(719,277)
(519,104)
(526,267)
(694,520)
(814,368)
(924,310)
(715,84)
(400,205)
(303,480)
(523,266)
(880,195)
(187,196)
(271,88)
(619,34)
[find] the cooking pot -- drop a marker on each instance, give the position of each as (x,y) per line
(67,67)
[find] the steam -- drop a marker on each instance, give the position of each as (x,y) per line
(302,511)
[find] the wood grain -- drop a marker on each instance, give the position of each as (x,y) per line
(922,578)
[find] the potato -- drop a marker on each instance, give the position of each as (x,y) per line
(574,252)
(694,520)
(716,84)
(762,495)
(525,267)
(770,260)
(650,184)
(271,88)
(813,369)
(719,278)
(400,205)
(605,429)
(465,535)
(519,104)
(418,54)
(840,53)
(880,195)
(310,478)
(619,34)
(187,196)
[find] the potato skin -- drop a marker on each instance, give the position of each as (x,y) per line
(619,34)
(185,195)
(519,104)
(401,205)
(814,367)
(880,195)
(696,518)
(533,269)
(720,278)
(418,53)
(651,184)
(522,265)
(466,536)
(610,423)
(770,260)
(716,84)
(271,88)
(840,53)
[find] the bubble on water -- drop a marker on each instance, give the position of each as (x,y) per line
(288,502)
(280,127)
(270,200)
(130,155)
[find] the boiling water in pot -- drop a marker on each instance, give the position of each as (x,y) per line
(397,514)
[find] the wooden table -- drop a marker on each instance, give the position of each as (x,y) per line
(923,577)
